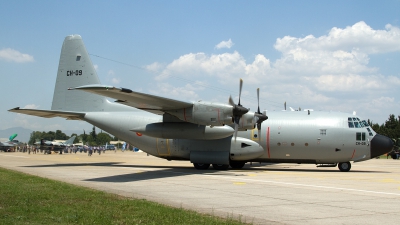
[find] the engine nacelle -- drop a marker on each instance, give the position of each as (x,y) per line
(184,131)
(205,113)
(245,149)
(247,121)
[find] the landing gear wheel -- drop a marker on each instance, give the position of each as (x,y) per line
(344,166)
(201,166)
(220,166)
(236,164)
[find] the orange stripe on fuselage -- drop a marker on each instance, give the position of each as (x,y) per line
(353,153)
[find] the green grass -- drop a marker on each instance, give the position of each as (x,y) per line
(26,199)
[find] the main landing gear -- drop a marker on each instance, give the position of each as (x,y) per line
(220,166)
(233,164)
(201,166)
(344,166)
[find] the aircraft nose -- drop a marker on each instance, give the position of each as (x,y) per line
(380,145)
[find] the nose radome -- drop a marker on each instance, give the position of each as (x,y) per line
(380,145)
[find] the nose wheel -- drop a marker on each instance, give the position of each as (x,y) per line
(344,166)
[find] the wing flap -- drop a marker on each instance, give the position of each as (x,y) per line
(49,113)
(150,103)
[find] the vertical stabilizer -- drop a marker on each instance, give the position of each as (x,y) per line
(70,141)
(76,69)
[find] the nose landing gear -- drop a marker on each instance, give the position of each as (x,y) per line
(344,166)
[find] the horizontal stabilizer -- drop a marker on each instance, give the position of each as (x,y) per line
(49,113)
(150,103)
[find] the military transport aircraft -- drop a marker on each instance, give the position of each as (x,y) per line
(203,132)
(49,146)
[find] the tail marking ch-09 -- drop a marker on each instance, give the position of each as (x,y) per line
(206,133)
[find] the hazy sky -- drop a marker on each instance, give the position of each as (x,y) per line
(321,55)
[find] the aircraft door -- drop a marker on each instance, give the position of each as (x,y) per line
(332,142)
(163,147)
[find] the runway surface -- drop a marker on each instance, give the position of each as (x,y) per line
(261,194)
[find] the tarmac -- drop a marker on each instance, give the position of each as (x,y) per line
(258,193)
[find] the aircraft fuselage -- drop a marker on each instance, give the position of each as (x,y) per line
(297,137)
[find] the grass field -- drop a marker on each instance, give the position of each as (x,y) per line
(26,199)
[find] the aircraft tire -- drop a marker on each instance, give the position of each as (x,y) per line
(344,166)
(220,166)
(236,164)
(201,166)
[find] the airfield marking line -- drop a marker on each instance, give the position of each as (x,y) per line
(292,184)
(15,156)
(236,179)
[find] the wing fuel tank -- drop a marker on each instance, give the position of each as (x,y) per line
(184,131)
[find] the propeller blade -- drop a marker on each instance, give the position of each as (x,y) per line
(236,130)
(240,90)
(258,100)
(231,102)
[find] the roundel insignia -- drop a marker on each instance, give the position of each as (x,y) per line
(138,134)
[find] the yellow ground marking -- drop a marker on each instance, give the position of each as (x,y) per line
(252,175)
(390,181)
(239,183)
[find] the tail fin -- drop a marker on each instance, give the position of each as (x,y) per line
(76,69)
(70,141)
(12,137)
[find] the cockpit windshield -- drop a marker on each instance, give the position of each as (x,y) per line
(365,123)
(355,122)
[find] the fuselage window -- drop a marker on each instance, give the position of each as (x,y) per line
(351,124)
(357,125)
(360,136)
(322,131)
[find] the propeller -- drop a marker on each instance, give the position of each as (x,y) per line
(238,110)
(260,117)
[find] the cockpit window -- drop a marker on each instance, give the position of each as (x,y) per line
(369,131)
(355,122)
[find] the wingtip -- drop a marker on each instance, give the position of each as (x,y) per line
(16,108)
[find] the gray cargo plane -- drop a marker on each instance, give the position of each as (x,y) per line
(206,133)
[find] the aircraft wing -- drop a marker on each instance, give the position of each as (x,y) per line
(150,103)
(49,113)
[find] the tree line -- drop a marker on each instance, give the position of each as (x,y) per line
(92,138)
(391,128)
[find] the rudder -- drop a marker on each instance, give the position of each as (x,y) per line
(76,69)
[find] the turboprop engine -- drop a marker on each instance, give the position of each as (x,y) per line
(184,131)
(205,113)
(247,121)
